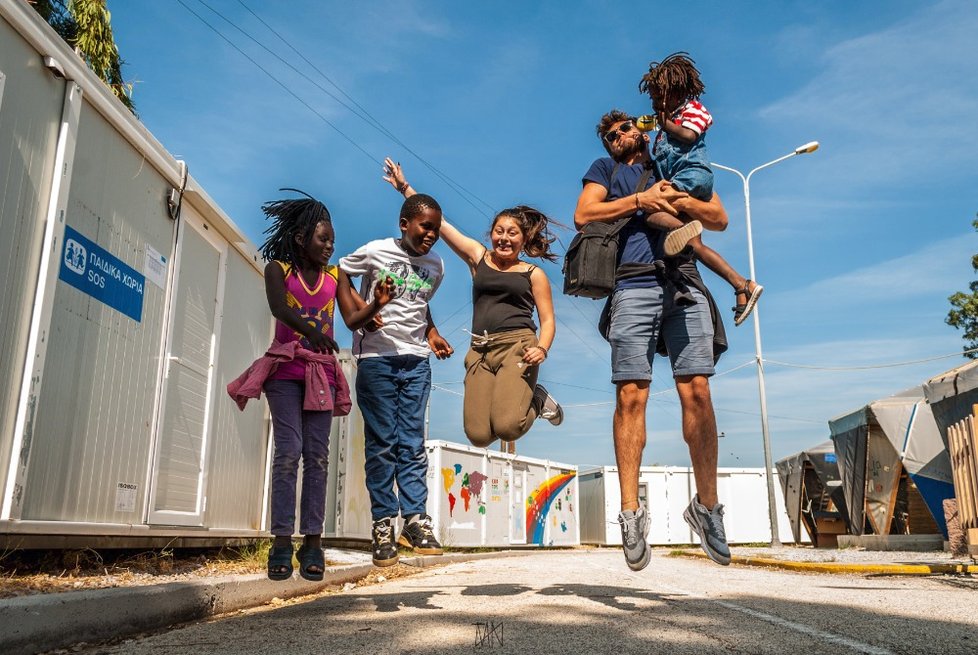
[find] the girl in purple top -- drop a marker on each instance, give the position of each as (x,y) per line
(300,285)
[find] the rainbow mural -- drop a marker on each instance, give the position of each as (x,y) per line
(538,505)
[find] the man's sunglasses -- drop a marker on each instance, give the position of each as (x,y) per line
(612,135)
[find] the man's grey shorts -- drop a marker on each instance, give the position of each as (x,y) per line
(637,316)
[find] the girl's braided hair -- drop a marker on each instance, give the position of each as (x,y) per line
(675,75)
(535,226)
(291,218)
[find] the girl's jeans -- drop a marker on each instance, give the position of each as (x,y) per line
(297,433)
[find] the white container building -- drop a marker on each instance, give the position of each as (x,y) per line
(129,301)
(666,491)
(476,497)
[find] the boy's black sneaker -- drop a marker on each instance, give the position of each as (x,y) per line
(547,406)
(418,535)
(384,549)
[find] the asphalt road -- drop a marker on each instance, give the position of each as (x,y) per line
(589,602)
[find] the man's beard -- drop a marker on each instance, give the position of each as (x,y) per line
(627,153)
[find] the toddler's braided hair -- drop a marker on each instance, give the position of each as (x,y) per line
(290,218)
(676,75)
(535,226)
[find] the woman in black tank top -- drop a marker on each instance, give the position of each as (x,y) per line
(502,398)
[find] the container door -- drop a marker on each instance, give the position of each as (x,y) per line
(188,389)
(517,523)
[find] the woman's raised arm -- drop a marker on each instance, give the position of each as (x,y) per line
(467,248)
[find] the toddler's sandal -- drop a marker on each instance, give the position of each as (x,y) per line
(742,311)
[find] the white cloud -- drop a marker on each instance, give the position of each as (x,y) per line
(935,269)
(897,98)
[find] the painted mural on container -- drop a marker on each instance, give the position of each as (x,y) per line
(538,504)
(471,487)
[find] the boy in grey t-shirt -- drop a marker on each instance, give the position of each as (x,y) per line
(394,376)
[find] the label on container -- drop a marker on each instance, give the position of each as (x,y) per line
(95,271)
(155,267)
(125,497)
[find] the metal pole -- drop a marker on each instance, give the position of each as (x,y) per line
(758,354)
(765,432)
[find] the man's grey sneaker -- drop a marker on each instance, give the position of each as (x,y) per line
(679,238)
(547,407)
(634,530)
(417,534)
(708,524)
(383,547)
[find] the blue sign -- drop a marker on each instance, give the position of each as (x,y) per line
(95,271)
(830,458)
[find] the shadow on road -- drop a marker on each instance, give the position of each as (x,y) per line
(560,618)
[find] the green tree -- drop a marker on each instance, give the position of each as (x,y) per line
(85,25)
(964,312)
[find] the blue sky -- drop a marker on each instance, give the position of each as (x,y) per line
(858,245)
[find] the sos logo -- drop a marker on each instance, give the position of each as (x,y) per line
(75,256)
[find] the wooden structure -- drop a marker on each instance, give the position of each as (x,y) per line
(963,445)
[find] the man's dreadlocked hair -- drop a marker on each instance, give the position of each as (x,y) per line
(675,76)
(290,218)
(535,226)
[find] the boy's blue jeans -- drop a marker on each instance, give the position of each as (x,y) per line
(392,393)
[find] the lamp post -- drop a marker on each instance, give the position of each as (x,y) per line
(772,512)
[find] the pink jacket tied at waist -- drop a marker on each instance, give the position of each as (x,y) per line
(318,396)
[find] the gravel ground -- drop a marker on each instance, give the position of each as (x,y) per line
(57,572)
(849,555)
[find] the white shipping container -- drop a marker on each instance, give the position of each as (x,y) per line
(479,497)
(667,491)
(476,497)
(129,301)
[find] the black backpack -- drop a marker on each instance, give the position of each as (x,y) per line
(591,261)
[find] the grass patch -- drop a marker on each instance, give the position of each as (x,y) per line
(676,552)
(254,554)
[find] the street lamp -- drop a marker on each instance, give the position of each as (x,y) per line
(811,146)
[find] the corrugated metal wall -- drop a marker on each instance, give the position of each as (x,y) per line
(30,112)
(95,413)
(345,471)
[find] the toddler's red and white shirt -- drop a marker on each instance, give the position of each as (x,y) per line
(693,115)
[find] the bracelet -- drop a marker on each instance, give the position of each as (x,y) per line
(637,206)
(402,189)
(546,353)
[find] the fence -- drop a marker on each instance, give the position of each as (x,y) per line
(963,445)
